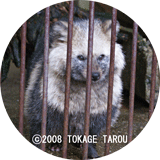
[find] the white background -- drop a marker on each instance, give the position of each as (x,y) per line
(14,13)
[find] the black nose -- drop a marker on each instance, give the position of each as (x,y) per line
(95,76)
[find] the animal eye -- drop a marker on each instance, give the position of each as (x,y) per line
(101,57)
(81,58)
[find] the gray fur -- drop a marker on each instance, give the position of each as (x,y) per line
(56,78)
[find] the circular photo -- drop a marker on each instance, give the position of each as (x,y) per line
(80,79)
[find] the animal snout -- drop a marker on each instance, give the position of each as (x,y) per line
(95,76)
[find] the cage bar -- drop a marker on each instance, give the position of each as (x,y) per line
(68,78)
(88,83)
(132,81)
(111,78)
(153,84)
(89,75)
(22,76)
(45,75)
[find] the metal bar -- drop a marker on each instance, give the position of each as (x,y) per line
(68,78)
(22,76)
(89,75)
(132,81)
(111,78)
(153,84)
(45,75)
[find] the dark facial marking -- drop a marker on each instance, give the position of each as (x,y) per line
(101,57)
(81,58)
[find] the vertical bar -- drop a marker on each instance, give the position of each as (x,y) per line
(22,76)
(132,81)
(89,75)
(153,84)
(111,78)
(45,75)
(68,77)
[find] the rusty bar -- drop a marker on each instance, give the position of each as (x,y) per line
(111,78)
(89,75)
(132,81)
(68,78)
(153,84)
(45,75)
(22,76)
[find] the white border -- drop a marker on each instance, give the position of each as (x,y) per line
(14,13)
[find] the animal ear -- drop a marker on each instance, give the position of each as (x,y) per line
(59,31)
(60,25)
(107,26)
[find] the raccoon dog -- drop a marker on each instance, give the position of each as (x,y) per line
(56,80)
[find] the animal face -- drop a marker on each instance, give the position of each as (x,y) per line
(100,67)
(101,50)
